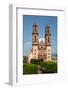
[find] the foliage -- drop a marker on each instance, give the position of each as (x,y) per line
(45,67)
(36,61)
(30,69)
(51,67)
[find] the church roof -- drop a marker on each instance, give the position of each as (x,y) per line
(47,26)
(42,43)
(35,25)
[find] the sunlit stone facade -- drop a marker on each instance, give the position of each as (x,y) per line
(41,49)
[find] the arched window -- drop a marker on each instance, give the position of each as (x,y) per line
(35,38)
(35,27)
(48,39)
(34,53)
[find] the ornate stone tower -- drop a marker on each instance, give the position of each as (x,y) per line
(48,43)
(35,41)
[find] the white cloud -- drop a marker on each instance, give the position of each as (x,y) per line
(41,39)
(27,44)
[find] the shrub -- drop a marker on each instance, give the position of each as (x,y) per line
(30,69)
(51,67)
(36,61)
(43,64)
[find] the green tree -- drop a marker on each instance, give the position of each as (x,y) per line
(36,61)
(51,67)
(30,69)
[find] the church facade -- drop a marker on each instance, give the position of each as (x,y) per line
(40,49)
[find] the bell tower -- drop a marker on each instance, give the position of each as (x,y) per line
(48,42)
(35,41)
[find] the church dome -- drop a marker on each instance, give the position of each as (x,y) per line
(35,25)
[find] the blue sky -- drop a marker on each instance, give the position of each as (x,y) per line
(41,21)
